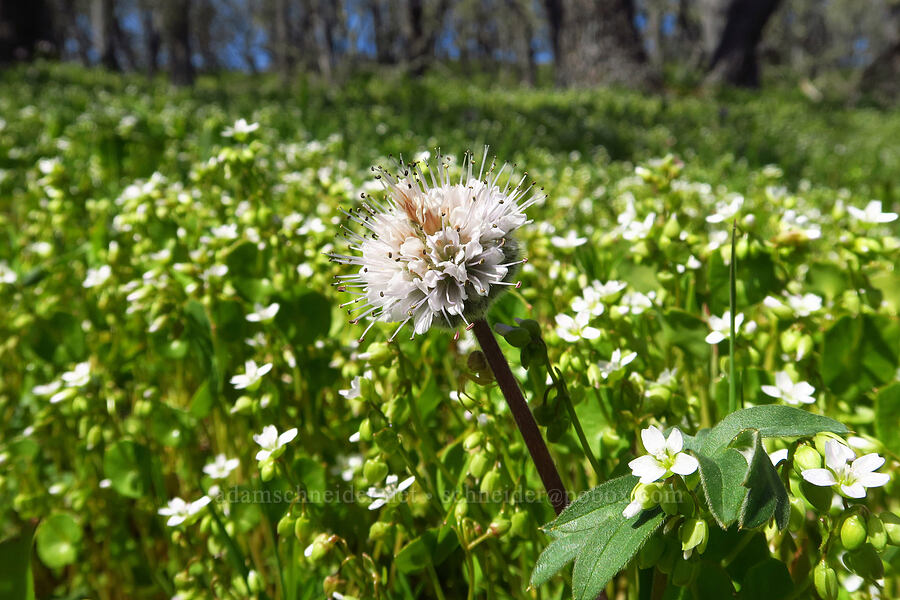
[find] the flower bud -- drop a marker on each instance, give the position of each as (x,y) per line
(254,582)
(826,581)
(876,534)
(517,337)
(531,326)
(865,562)
(694,533)
(805,458)
(266,470)
(479,464)
(490,482)
(285,525)
(386,440)
(320,547)
(379,530)
(499,526)
(461,509)
(519,524)
(303,526)
(365,430)
(671,553)
(378,353)
(374,471)
(242,405)
(798,514)
(853,532)
(473,440)
(818,497)
(891,524)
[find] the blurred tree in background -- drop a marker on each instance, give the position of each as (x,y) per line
(635,43)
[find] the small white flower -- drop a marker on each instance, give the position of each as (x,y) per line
(635,303)
(726,209)
(240,128)
(572,330)
(639,230)
(180,511)
(386,494)
(96,277)
(7,275)
(801,305)
(311,225)
(589,302)
(78,377)
(872,214)
(347,466)
(225,232)
(664,456)
(570,241)
(721,327)
(263,314)
(616,362)
(271,442)
(305,270)
(221,466)
(667,376)
(355,387)
(792,393)
(609,290)
(47,389)
(852,475)
(252,374)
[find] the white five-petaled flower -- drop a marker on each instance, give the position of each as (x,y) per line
(79,376)
(263,314)
(7,275)
(801,305)
(852,475)
(636,302)
(252,374)
(726,209)
(608,290)
(221,466)
(664,456)
(792,393)
(638,230)
(386,494)
(98,276)
(435,250)
(721,327)
(616,362)
(572,240)
(228,231)
(872,213)
(572,330)
(589,303)
(271,442)
(240,128)
(180,511)
(355,386)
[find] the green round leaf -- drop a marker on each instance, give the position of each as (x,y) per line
(57,540)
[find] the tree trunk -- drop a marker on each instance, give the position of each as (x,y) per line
(103,25)
(881,79)
(554,10)
(599,44)
(26,29)
(176,20)
(282,40)
(735,60)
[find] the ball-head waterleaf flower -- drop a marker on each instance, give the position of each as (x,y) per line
(436,249)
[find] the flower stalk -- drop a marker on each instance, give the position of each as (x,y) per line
(528,427)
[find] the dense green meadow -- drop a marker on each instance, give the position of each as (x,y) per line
(154,241)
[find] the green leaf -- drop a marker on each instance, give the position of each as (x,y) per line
(245,260)
(860,353)
(714,582)
(605,501)
(57,540)
(722,475)
(127,465)
(767,580)
(609,549)
(887,417)
(766,496)
(771,421)
(432,546)
(827,279)
(555,556)
(202,401)
(16,580)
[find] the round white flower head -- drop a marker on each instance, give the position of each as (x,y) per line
(792,393)
(852,475)
(664,456)
(435,250)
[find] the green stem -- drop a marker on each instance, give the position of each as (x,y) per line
(583,438)
(732,293)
